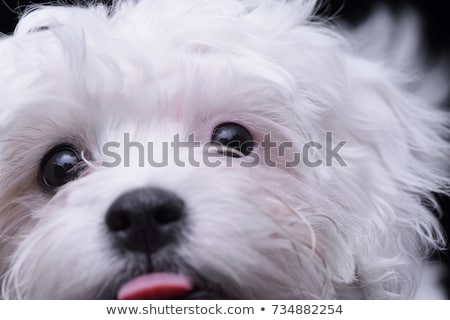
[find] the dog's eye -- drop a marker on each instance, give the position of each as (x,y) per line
(236,139)
(60,166)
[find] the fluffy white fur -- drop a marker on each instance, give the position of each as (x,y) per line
(160,67)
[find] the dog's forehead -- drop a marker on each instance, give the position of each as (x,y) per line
(155,40)
(113,64)
(75,88)
(154,64)
(70,72)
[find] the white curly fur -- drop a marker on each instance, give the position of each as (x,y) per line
(160,67)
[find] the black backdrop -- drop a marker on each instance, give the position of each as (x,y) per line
(434,16)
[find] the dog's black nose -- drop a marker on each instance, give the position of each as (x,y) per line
(146,219)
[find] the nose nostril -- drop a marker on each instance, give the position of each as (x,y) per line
(166,215)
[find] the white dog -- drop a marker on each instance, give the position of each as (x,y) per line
(82,218)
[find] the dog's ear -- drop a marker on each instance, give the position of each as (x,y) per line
(400,99)
(398,116)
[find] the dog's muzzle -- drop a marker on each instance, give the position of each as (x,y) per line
(146,221)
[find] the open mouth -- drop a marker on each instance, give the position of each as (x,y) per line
(165,286)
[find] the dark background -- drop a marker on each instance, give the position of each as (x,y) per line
(434,14)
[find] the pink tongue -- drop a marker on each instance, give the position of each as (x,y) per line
(155,286)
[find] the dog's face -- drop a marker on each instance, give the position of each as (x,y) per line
(80,221)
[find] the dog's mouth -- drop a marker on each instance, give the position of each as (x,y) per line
(165,286)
